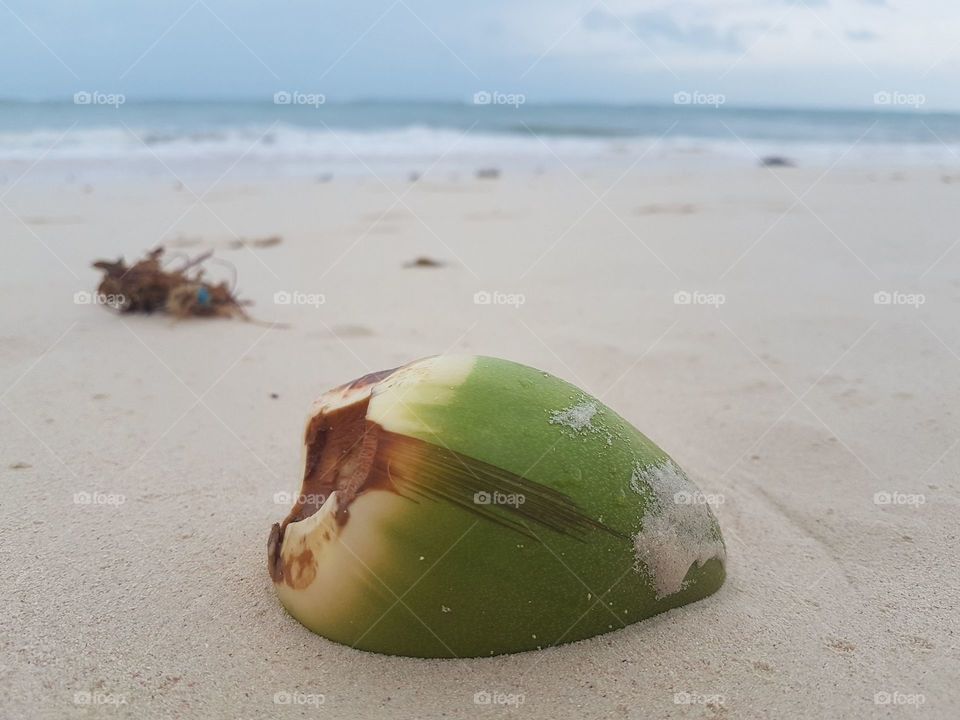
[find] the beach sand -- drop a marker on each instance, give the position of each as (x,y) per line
(783,387)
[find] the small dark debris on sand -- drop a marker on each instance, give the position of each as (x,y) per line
(182,242)
(488,173)
(40,220)
(274,396)
(777,161)
(255,242)
(424,262)
(146,287)
(350,331)
(20,466)
(667,209)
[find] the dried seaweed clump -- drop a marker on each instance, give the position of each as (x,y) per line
(148,287)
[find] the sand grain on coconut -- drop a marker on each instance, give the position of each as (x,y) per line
(577,417)
(677,531)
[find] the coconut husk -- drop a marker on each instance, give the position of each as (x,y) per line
(148,287)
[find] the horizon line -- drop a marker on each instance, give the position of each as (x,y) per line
(620,105)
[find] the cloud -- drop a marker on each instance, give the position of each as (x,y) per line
(660,27)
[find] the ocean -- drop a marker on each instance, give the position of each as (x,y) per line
(297,134)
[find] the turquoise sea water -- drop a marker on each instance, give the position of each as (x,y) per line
(305,130)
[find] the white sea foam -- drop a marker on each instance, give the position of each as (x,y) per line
(286,149)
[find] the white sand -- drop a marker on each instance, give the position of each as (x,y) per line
(793,397)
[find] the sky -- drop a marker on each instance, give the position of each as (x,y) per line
(794,53)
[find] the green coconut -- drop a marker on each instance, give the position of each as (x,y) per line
(465,506)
